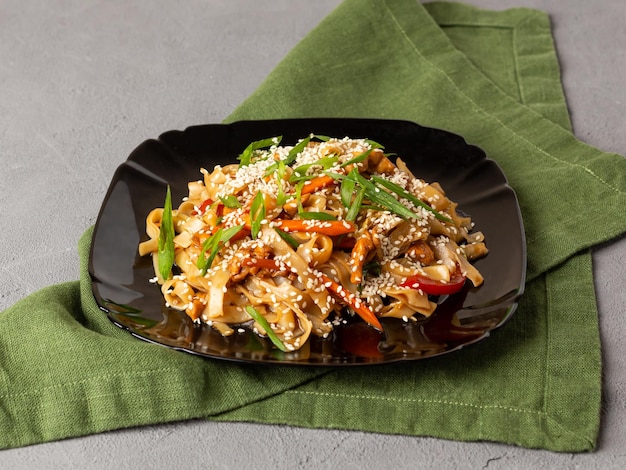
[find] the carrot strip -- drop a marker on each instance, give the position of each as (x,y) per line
(352,301)
(360,251)
(325,227)
(316,183)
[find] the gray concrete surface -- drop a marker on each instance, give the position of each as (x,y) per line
(83,82)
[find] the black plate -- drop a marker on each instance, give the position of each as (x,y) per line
(121,278)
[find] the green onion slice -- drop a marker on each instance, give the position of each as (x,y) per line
(291,156)
(347,190)
(355,206)
(257,214)
(165,252)
(374,144)
(400,191)
(281,196)
(358,159)
(245,158)
(230,201)
(301,179)
(325,163)
(288,238)
(260,319)
(213,244)
(298,188)
(382,198)
(316,215)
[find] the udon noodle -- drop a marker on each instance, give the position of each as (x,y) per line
(292,240)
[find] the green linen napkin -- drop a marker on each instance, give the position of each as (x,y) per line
(66,371)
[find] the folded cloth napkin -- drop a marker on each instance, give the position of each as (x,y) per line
(66,371)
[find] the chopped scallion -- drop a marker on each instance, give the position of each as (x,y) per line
(316,215)
(382,198)
(281,197)
(257,214)
(374,144)
(347,190)
(358,159)
(299,187)
(213,244)
(230,201)
(165,252)
(291,156)
(355,206)
(325,163)
(245,158)
(288,238)
(400,191)
(301,179)
(260,319)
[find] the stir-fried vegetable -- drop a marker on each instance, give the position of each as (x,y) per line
(166,238)
(432,287)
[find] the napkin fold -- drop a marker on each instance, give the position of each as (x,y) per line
(492,77)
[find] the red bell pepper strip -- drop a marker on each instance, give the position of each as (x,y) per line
(219,209)
(204,206)
(432,287)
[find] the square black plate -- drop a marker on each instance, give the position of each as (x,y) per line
(121,277)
